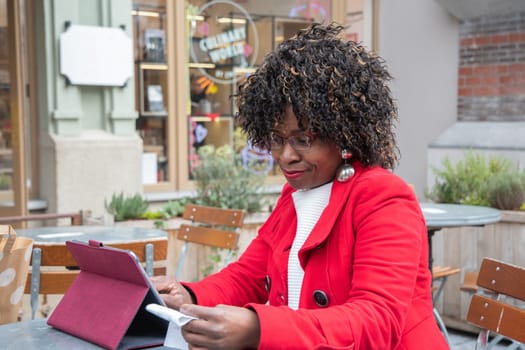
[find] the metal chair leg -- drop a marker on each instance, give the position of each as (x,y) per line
(182,257)
(149,259)
(441,325)
(35,280)
(482,340)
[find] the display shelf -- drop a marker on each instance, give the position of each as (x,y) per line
(153,89)
(150,37)
(152,93)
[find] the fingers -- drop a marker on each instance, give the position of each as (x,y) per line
(163,284)
(198,334)
(206,325)
(174,301)
(196,340)
(171,291)
(202,312)
(167,285)
(221,327)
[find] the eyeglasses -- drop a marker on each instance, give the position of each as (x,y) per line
(300,142)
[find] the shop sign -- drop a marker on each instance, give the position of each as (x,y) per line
(100,56)
(219,41)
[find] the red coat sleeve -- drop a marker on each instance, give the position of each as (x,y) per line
(244,280)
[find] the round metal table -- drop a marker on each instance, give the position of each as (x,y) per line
(38,335)
(104,234)
(441,215)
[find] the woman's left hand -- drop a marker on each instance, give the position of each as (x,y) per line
(221,327)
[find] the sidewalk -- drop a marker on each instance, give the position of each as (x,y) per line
(461,340)
(467,341)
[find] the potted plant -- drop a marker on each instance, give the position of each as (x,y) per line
(222,180)
(477,180)
(125,207)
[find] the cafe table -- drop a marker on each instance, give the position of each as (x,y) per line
(37,335)
(446,215)
(104,234)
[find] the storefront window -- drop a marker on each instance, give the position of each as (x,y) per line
(227,42)
(191,56)
(152,96)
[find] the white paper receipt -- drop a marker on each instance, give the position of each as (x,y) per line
(177,319)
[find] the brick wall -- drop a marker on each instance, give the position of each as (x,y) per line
(491,82)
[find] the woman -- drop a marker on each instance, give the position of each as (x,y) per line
(342,261)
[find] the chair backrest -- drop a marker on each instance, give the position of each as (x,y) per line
(499,314)
(210,226)
(53,268)
(74,217)
(470,282)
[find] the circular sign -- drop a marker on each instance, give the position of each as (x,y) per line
(219,43)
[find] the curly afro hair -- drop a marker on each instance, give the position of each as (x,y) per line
(337,89)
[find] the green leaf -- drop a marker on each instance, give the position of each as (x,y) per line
(124,207)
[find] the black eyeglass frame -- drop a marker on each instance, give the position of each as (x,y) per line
(300,142)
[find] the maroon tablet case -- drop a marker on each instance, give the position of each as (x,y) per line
(106,303)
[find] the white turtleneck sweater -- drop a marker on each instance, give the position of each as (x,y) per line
(309,205)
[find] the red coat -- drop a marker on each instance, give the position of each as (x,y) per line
(366,278)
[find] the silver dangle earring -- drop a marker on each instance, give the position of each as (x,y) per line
(346,170)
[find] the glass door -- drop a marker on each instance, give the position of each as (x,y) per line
(13,192)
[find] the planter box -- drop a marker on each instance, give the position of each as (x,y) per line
(465,247)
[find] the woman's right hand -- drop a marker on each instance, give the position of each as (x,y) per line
(171,291)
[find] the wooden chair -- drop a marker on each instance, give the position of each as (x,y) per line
(470,286)
(440,274)
(53,268)
(497,311)
(210,226)
(74,217)
(470,282)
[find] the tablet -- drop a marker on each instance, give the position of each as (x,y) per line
(106,303)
